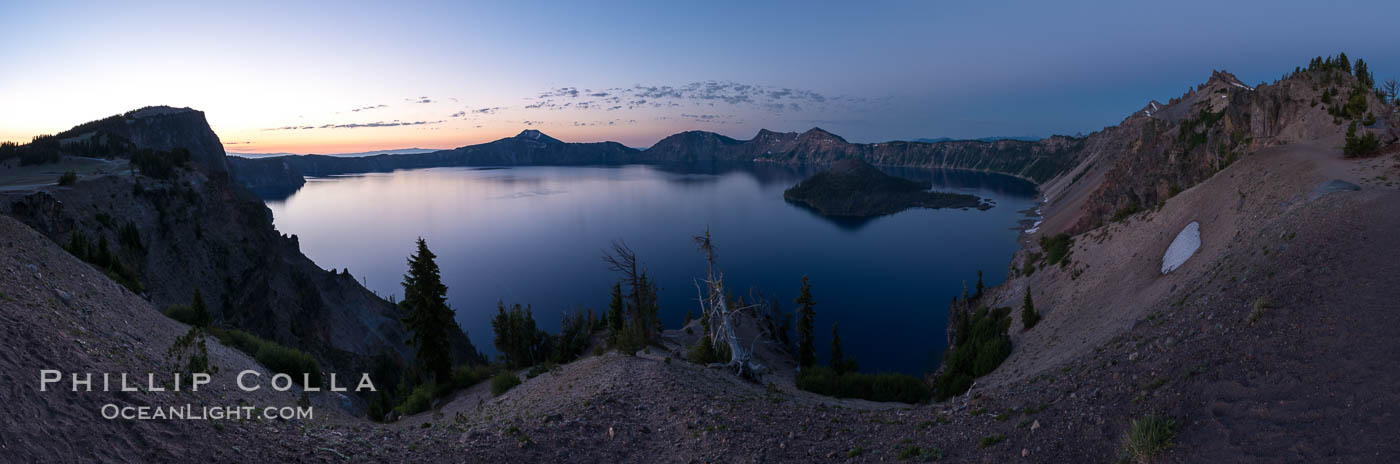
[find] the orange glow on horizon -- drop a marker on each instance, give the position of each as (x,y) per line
(364,140)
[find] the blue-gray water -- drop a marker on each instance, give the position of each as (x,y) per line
(535,235)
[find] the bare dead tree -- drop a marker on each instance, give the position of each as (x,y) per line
(623,260)
(1390,88)
(715,305)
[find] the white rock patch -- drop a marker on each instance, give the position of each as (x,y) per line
(1181,249)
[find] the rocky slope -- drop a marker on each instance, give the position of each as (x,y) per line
(1164,149)
(57,312)
(1269,343)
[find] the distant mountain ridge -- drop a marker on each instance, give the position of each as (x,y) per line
(1036,161)
(393,151)
(1026,138)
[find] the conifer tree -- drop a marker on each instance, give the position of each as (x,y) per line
(1363,76)
(980,287)
(518,339)
(429,319)
(838,358)
(643,322)
(1029,317)
(201,312)
(616,323)
(806,315)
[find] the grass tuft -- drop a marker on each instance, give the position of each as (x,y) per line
(1147,437)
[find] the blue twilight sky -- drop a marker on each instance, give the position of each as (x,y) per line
(354,76)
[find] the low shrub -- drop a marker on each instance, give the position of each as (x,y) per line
(466,376)
(1147,437)
(68,178)
(503,382)
(539,369)
(1056,248)
(182,313)
(706,352)
(824,380)
(275,357)
(980,345)
(1360,146)
(418,401)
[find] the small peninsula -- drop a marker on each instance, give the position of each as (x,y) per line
(854,188)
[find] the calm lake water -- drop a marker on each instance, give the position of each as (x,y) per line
(535,235)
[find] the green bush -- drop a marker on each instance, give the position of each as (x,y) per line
(68,178)
(705,352)
(824,380)
(465,376)
(503,382)
(275,357)
(182,313)
(1123,213)
(1360,146)
(1056,248)
(540,368)
(1147,437)
(418,401)
(980,345)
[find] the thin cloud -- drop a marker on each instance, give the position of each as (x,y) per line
(394,123)
(370,107)
(710,94)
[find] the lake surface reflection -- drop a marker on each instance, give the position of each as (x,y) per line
(535,235)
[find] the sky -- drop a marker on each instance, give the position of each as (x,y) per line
(357,76)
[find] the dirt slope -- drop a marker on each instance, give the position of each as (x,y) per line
(1306,378)
(57,312)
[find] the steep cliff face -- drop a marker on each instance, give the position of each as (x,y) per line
(159,128)
(1037,161)
(278,178)
(1164,149)
(199,231)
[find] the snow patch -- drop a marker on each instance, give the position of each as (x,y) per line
(1181,249)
